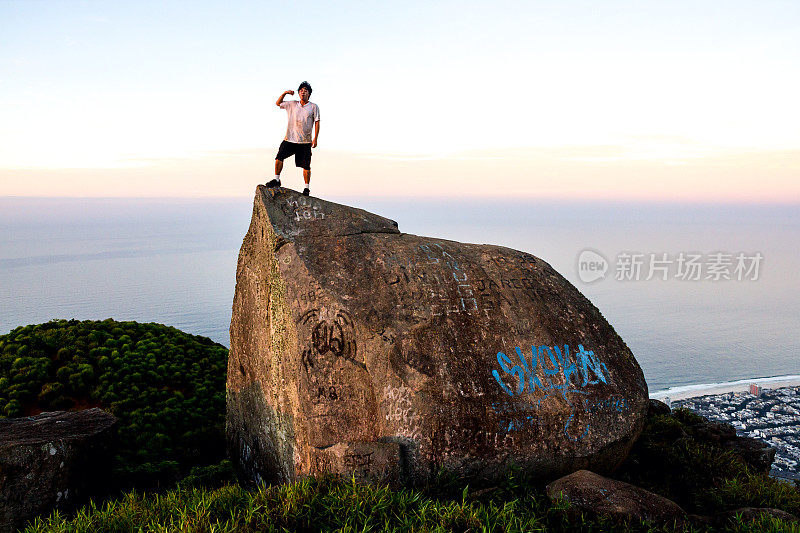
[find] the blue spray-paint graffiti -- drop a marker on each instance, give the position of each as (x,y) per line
(552,370)
(617,404)
(522,414)
(552,361)
(516,416)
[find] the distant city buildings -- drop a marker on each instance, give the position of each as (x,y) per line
(770,415)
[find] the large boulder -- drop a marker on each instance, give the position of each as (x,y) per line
(54,460)
(614,499)
(354,346)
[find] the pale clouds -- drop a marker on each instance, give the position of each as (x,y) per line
(568,172)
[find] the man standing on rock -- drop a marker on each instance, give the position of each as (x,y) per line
(302,116)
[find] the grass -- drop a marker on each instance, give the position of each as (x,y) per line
(324,504)
(330,504)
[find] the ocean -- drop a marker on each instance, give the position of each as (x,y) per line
(173,261)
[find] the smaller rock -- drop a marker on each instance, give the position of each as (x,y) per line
(714,432)
(656,408)
(54,460)
(702,522)
(618,500)
(757,454)
(749,514)
(483,493)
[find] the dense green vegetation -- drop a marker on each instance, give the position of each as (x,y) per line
(674,459)
(166,387)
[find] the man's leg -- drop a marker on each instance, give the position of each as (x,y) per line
(303,160)
(307,178)
(276,181)
(284,151)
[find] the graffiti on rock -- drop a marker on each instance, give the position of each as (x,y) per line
(320,465)
(521,328)
(518,261)
(326,393)
(437,279)
(441,280)
(511,283)
(304,209)
(614,403)
(359,464)
(524,415)
(308,297)
(456,437)
(552,371)
(465,299)
(335,337)
(399,409)
(249,459)
(558,370)
(334,385)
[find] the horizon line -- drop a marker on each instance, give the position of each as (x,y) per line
(442,197)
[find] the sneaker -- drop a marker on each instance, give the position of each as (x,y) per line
(306,192)
(274,183)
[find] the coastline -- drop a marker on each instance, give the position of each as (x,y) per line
(741,385)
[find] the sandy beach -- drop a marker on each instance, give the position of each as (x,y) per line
(705,389)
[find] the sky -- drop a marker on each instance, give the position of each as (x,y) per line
(622,100)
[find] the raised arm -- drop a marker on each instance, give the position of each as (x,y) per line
(280,100)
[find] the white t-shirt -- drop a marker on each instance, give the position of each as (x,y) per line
(301,121)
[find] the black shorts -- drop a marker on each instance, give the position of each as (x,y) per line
(301,153)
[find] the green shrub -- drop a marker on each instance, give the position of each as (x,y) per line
(64,364)
(13,408)
(672,459)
